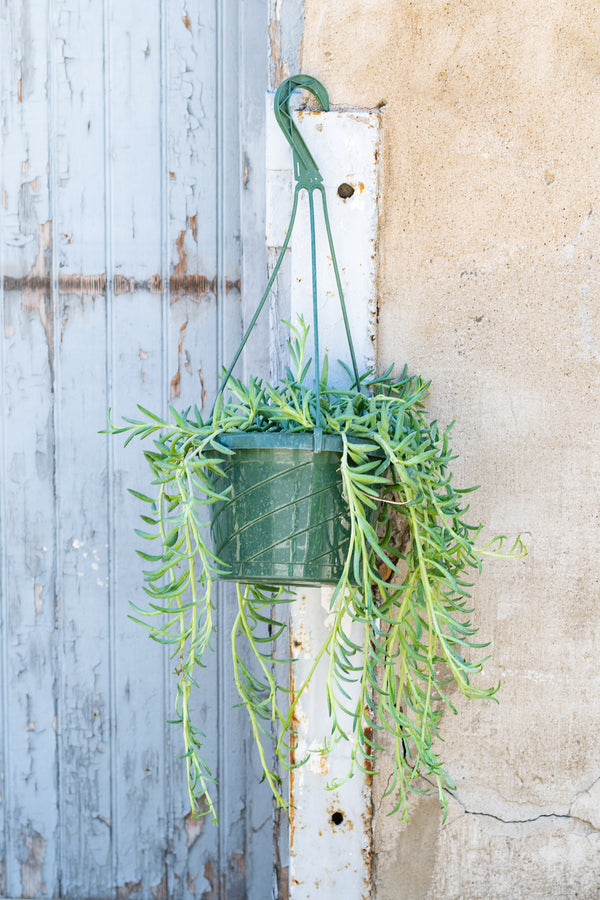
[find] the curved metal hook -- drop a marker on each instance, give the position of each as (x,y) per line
(307,176)
(306,171)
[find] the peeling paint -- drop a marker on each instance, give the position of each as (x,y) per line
(203,389)
(211,876)
(37,598)
(26,205)
(193,285)
(319,764)
(125,891)
(32,867)
(180,270)
(37,301)
(176,379)
(193,828)
(181,267)
(283,883)
(240,864)
(161,890)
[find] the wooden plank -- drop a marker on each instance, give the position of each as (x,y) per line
(84,672)
(6,62)
(29,854)
(136,361)
(141,767)
(232,724)
(29,607)
(190,191)
(204,237)
(264,866)
(85,708)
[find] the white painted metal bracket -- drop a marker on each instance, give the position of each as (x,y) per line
(330,830)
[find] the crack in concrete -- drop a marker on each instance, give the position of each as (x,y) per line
(567,816)
(472,812)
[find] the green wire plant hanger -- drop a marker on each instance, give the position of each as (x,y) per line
(308,178)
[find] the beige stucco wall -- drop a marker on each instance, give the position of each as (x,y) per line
(489,284)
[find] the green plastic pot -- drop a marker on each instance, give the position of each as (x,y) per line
(285,521)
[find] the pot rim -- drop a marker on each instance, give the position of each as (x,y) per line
(281,440)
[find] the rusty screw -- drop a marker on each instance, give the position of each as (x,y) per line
(345,190)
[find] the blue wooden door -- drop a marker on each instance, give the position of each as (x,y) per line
(120,237)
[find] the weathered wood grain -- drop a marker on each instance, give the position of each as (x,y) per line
(28,533)
(190,108)
(77,185)
(261,878)
(120,283)
(135,190)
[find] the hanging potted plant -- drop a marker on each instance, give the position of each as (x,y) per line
(306,484)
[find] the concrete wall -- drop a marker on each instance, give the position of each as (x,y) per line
(489,279)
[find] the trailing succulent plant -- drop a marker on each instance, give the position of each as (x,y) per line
(408,588)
